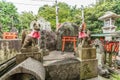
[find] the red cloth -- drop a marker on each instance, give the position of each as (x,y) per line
(35,34)
(82,35)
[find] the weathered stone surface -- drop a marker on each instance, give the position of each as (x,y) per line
(48,40)
(22,56)
(45,52)
(60,66)
(11,43)
(9,48)
(66,29)
(30,49)
(87,53)
(6,65)
(67,69)
(88,68)
(29,66)
(22,76)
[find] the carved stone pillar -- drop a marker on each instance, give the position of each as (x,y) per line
(89,63)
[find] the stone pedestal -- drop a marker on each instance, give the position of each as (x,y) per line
(22,56)
(87,53)
(88,68)
(29,52)
(89,63)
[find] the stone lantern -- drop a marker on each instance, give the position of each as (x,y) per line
(109,23)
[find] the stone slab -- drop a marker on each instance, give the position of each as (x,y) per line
(22,56)
(87,53)
(88,68)
(28,66)
(65,69)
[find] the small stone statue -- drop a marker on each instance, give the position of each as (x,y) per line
(31,39)
(84,36)
(83,39)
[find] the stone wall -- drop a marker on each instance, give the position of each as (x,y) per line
(9,48)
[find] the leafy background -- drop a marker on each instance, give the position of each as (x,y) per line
(9,16)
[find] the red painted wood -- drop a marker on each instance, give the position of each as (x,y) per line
(69,39)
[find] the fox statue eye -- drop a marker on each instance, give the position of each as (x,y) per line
(34,24)
(39,25)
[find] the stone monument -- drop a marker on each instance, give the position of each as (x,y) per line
(30,46)
(87,55)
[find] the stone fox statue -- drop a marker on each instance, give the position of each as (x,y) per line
(84,35)
(30,39)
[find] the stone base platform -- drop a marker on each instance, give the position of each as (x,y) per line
(67,69)
(65,66)
(60,66)
(23,56)
(88,68)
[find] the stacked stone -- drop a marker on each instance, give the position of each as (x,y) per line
(48,40)
(33,52)
(43,40)
(66,29)
(51,40)
(89,63)
(48,37)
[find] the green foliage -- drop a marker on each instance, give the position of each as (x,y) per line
(116,8)
(8,15)
(66,14)
(115,77)
(104,1)
(72,14)
(25,19)
(48,12)
(93,13)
